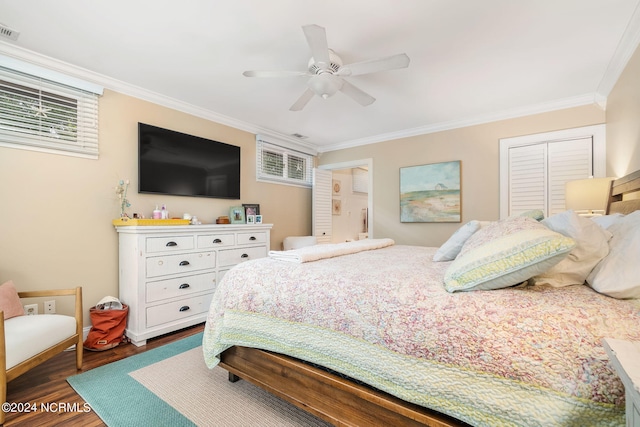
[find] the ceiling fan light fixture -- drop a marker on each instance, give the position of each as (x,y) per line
(325,85)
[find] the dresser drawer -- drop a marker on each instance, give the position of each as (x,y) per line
(182,263)
(169,244)
(180,287)
(235,256)
(207,241)
(177,310)
(252,238)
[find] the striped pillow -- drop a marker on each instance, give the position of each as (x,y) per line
(506,253)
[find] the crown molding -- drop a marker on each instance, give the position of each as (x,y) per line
(124,88)
(560,104)
(626,47)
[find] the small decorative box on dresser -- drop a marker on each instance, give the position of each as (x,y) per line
(625,358)
(168,273)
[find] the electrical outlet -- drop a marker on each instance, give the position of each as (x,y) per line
(31,309)
(50,307)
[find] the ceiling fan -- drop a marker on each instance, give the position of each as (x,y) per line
(326,72)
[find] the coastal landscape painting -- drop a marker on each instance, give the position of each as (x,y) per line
(430,193)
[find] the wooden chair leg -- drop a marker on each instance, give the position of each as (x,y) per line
(79,325)
(3,368)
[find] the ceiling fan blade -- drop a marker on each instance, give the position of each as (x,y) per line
(356,94)
(317,40)
(275,73)
(374,65)
(302,101)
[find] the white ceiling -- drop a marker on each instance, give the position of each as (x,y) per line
(472,61)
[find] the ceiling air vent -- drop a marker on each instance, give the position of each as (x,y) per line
(8,33)
(299,136)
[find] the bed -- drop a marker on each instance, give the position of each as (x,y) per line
(388,336)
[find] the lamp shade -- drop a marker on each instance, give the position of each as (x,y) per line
(588,195)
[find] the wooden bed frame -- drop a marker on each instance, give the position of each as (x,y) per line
(345,403)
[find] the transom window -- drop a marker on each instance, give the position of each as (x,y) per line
(276,163)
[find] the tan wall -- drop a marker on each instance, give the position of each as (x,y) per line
(623,121)
(56,215)
(478,149)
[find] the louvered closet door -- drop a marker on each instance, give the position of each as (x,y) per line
(321,205)
(527,178)
(538,173)
(568,161)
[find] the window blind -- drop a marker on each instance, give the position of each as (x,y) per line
(276,163)
(360,180)
(43,115)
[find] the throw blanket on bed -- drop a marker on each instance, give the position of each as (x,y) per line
(322,251)
(523,356)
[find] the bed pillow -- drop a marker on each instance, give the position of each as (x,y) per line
(10,301)
(617,274)
(536,214)
(506,253)
(451,248)
(592,244)
(606,221)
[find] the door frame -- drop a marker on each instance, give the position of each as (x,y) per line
(368,163)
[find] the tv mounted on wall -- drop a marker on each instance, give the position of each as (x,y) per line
(178,164)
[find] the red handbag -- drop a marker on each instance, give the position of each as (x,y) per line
(107,328)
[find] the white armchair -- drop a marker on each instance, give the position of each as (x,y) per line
(27,341)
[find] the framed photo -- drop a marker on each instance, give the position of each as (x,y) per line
(337,206)
(336,187)
(236,215)
(431,193)
(251,219)
(258,219)
(251,209)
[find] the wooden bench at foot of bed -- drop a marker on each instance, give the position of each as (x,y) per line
(325,395)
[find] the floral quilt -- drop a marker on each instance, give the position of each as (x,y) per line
(528,355)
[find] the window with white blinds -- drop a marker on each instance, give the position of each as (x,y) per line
(276,163)
(360,180)
(535,169)
(44,115)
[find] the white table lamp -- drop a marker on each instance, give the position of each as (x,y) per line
(588,197)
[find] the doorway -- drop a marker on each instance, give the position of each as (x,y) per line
(352,205)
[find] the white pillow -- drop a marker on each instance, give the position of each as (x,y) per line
(592,244)
(504,254)
(606,221)
(617,274)
(451,248)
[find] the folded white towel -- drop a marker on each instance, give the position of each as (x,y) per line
(330,250)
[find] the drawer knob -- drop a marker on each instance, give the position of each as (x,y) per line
(252,238)
(184,263)
(184,308)
(217,241)
(171,244)
(244,256)
(184,286)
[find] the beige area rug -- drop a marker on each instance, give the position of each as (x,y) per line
(207,398)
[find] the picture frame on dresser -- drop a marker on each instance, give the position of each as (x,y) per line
(237,215)
(251,209)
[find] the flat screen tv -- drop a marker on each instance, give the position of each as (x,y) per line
(178,164)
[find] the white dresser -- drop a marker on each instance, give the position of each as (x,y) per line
(168,273)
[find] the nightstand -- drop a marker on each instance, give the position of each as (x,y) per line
(625,358)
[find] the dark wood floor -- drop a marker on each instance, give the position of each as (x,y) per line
(47,384)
